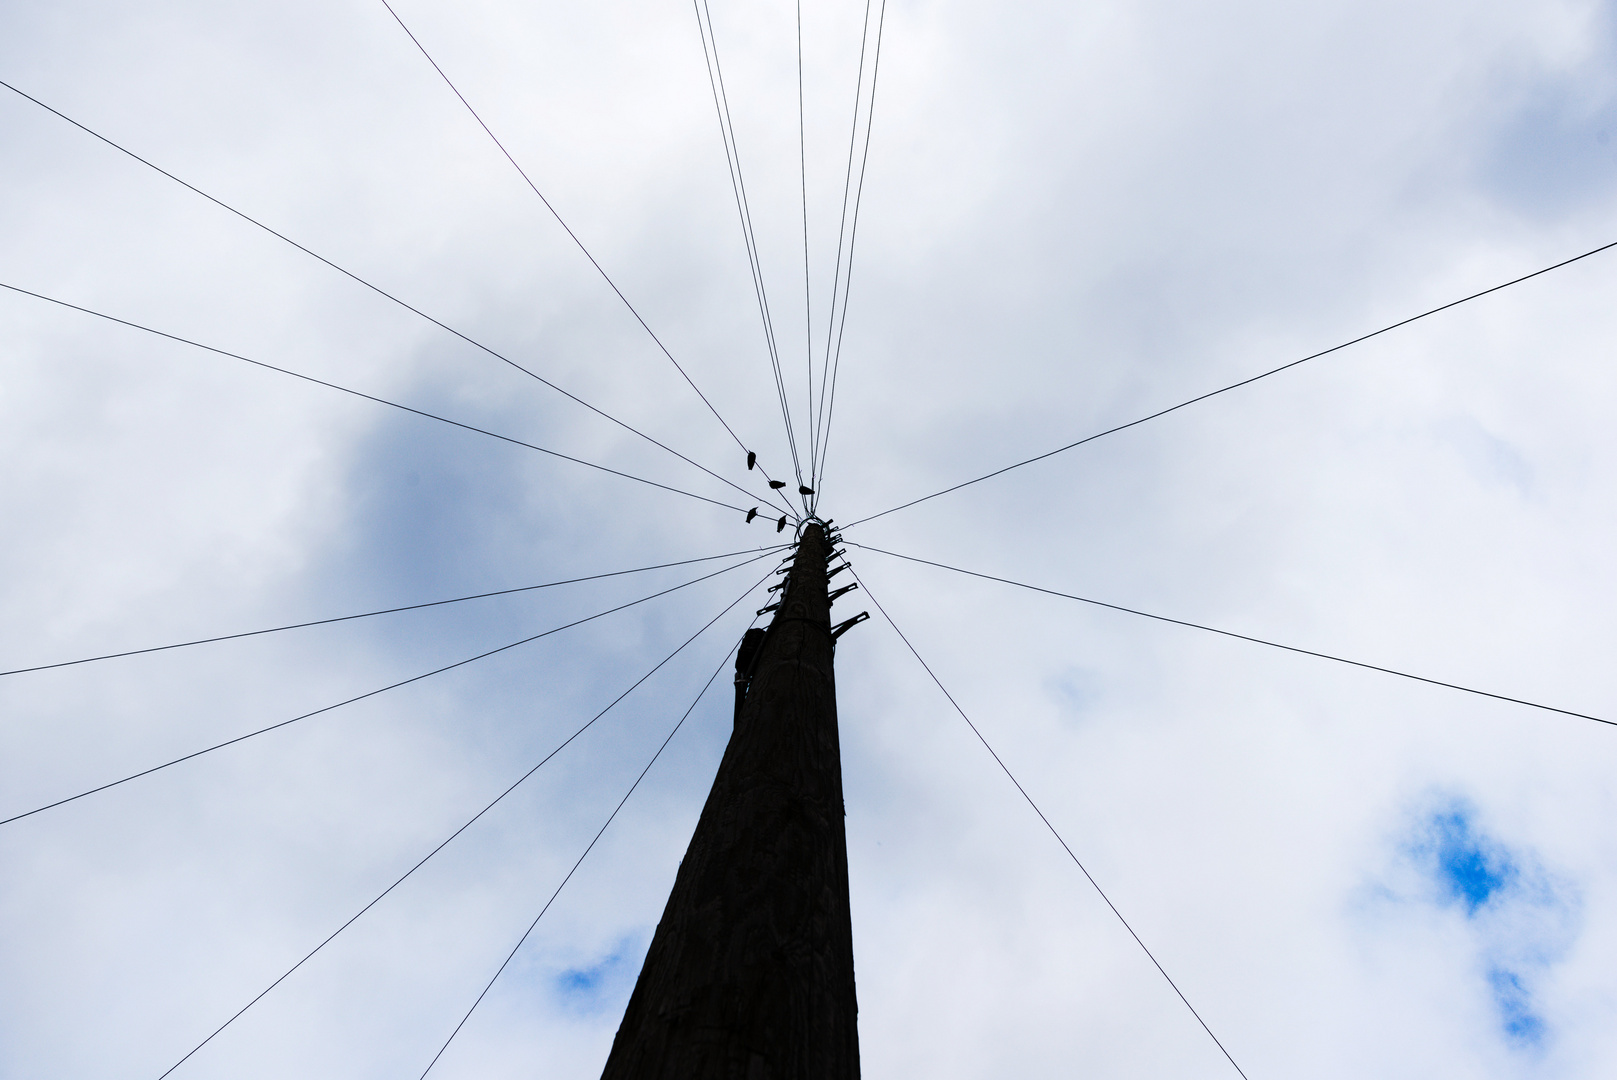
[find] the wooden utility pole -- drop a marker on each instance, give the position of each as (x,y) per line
(750,972)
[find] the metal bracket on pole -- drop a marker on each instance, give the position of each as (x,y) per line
(847,624)
(845,589)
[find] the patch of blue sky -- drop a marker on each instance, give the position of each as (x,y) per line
(602,983)
(1494,461)
(1470,868)
(1521,1024)
(1521,919)
(1078,689)
(1558,151)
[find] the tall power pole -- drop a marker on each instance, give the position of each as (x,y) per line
(750,972)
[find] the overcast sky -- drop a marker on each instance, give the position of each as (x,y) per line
(1074,215)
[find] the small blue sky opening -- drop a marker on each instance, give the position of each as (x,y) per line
(1522,1026)
(1471,868)
(593,987)
(1523,919)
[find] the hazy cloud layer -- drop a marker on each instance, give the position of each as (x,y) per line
(1074,215)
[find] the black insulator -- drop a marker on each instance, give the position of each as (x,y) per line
(781,524)
(804,490)
(777,484)
(752,459)
(751,514)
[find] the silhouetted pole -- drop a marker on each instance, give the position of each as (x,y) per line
(750,972)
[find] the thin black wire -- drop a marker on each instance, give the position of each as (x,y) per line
(374,288)
(599,833)
(369,614)
(1070,854)
(369,694)
(727,122)
(738,184)
(853,236)
(808,300)
(446,841)
(842,220)
(1244,382)
(370,397)
(568,228)
(1241,637)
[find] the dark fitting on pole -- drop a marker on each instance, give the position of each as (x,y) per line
(845,589)
(847,624)
(746,656)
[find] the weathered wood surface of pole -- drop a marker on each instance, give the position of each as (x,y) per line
(750,972)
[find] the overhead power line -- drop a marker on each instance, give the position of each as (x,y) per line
(738,185)
(368,694)
(565,227)
(842,217)
(1029,799)
(1241,637)
(370,397)
(584,855)
(828,401)
(377,289)
(468,824)
(382,611)
(1244,382)
(808,288)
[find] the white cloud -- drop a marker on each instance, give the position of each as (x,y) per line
(1074,216)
